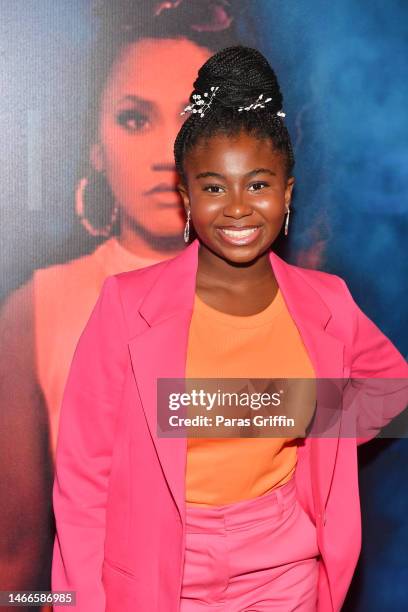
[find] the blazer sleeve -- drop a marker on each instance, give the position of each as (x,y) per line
(88,415)
(378,374)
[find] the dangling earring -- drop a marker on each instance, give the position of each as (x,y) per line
(187,227)
(287,221)
(80,209)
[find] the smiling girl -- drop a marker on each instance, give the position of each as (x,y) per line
(148,522)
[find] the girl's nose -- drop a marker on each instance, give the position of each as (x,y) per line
(237,207)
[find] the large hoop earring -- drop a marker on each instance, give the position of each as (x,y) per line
(287,221)
(187,227)
(80,211)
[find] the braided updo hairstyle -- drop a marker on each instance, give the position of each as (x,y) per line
(241,74)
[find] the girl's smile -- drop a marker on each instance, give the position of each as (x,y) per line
(240,235)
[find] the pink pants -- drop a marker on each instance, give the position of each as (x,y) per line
(255,555)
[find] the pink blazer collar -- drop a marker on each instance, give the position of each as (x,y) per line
(175,289)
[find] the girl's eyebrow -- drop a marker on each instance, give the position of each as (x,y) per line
(247,175)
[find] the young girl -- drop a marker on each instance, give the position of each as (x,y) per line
(158,523)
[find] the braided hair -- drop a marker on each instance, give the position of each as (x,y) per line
(241,75)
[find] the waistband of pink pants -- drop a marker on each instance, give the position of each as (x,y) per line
(237,515)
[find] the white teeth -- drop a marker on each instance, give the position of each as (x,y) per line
(239,233)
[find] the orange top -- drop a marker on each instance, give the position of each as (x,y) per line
(220,345)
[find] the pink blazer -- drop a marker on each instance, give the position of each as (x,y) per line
(119,488)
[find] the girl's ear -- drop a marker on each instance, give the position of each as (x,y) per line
(288,189)
(183,191)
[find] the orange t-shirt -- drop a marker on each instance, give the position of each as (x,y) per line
(220,345)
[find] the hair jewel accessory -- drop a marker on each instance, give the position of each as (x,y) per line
(200,105)
(260,103)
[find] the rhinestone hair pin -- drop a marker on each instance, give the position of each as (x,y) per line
(260,103)
(200,105)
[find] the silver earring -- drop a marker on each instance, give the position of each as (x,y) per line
(287,221)
(187,228)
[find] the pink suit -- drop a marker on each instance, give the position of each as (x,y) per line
(119,488)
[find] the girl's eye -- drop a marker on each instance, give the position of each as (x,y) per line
(212,187)
(258,186)
(132,120)
(218,189)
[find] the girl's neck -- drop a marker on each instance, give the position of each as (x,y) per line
(217,272)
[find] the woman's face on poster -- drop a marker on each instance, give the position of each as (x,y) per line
(146,90)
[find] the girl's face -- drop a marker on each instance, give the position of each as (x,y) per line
(146,90)
(237,191)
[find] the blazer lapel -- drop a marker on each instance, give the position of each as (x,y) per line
(313,319)
(161,352)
